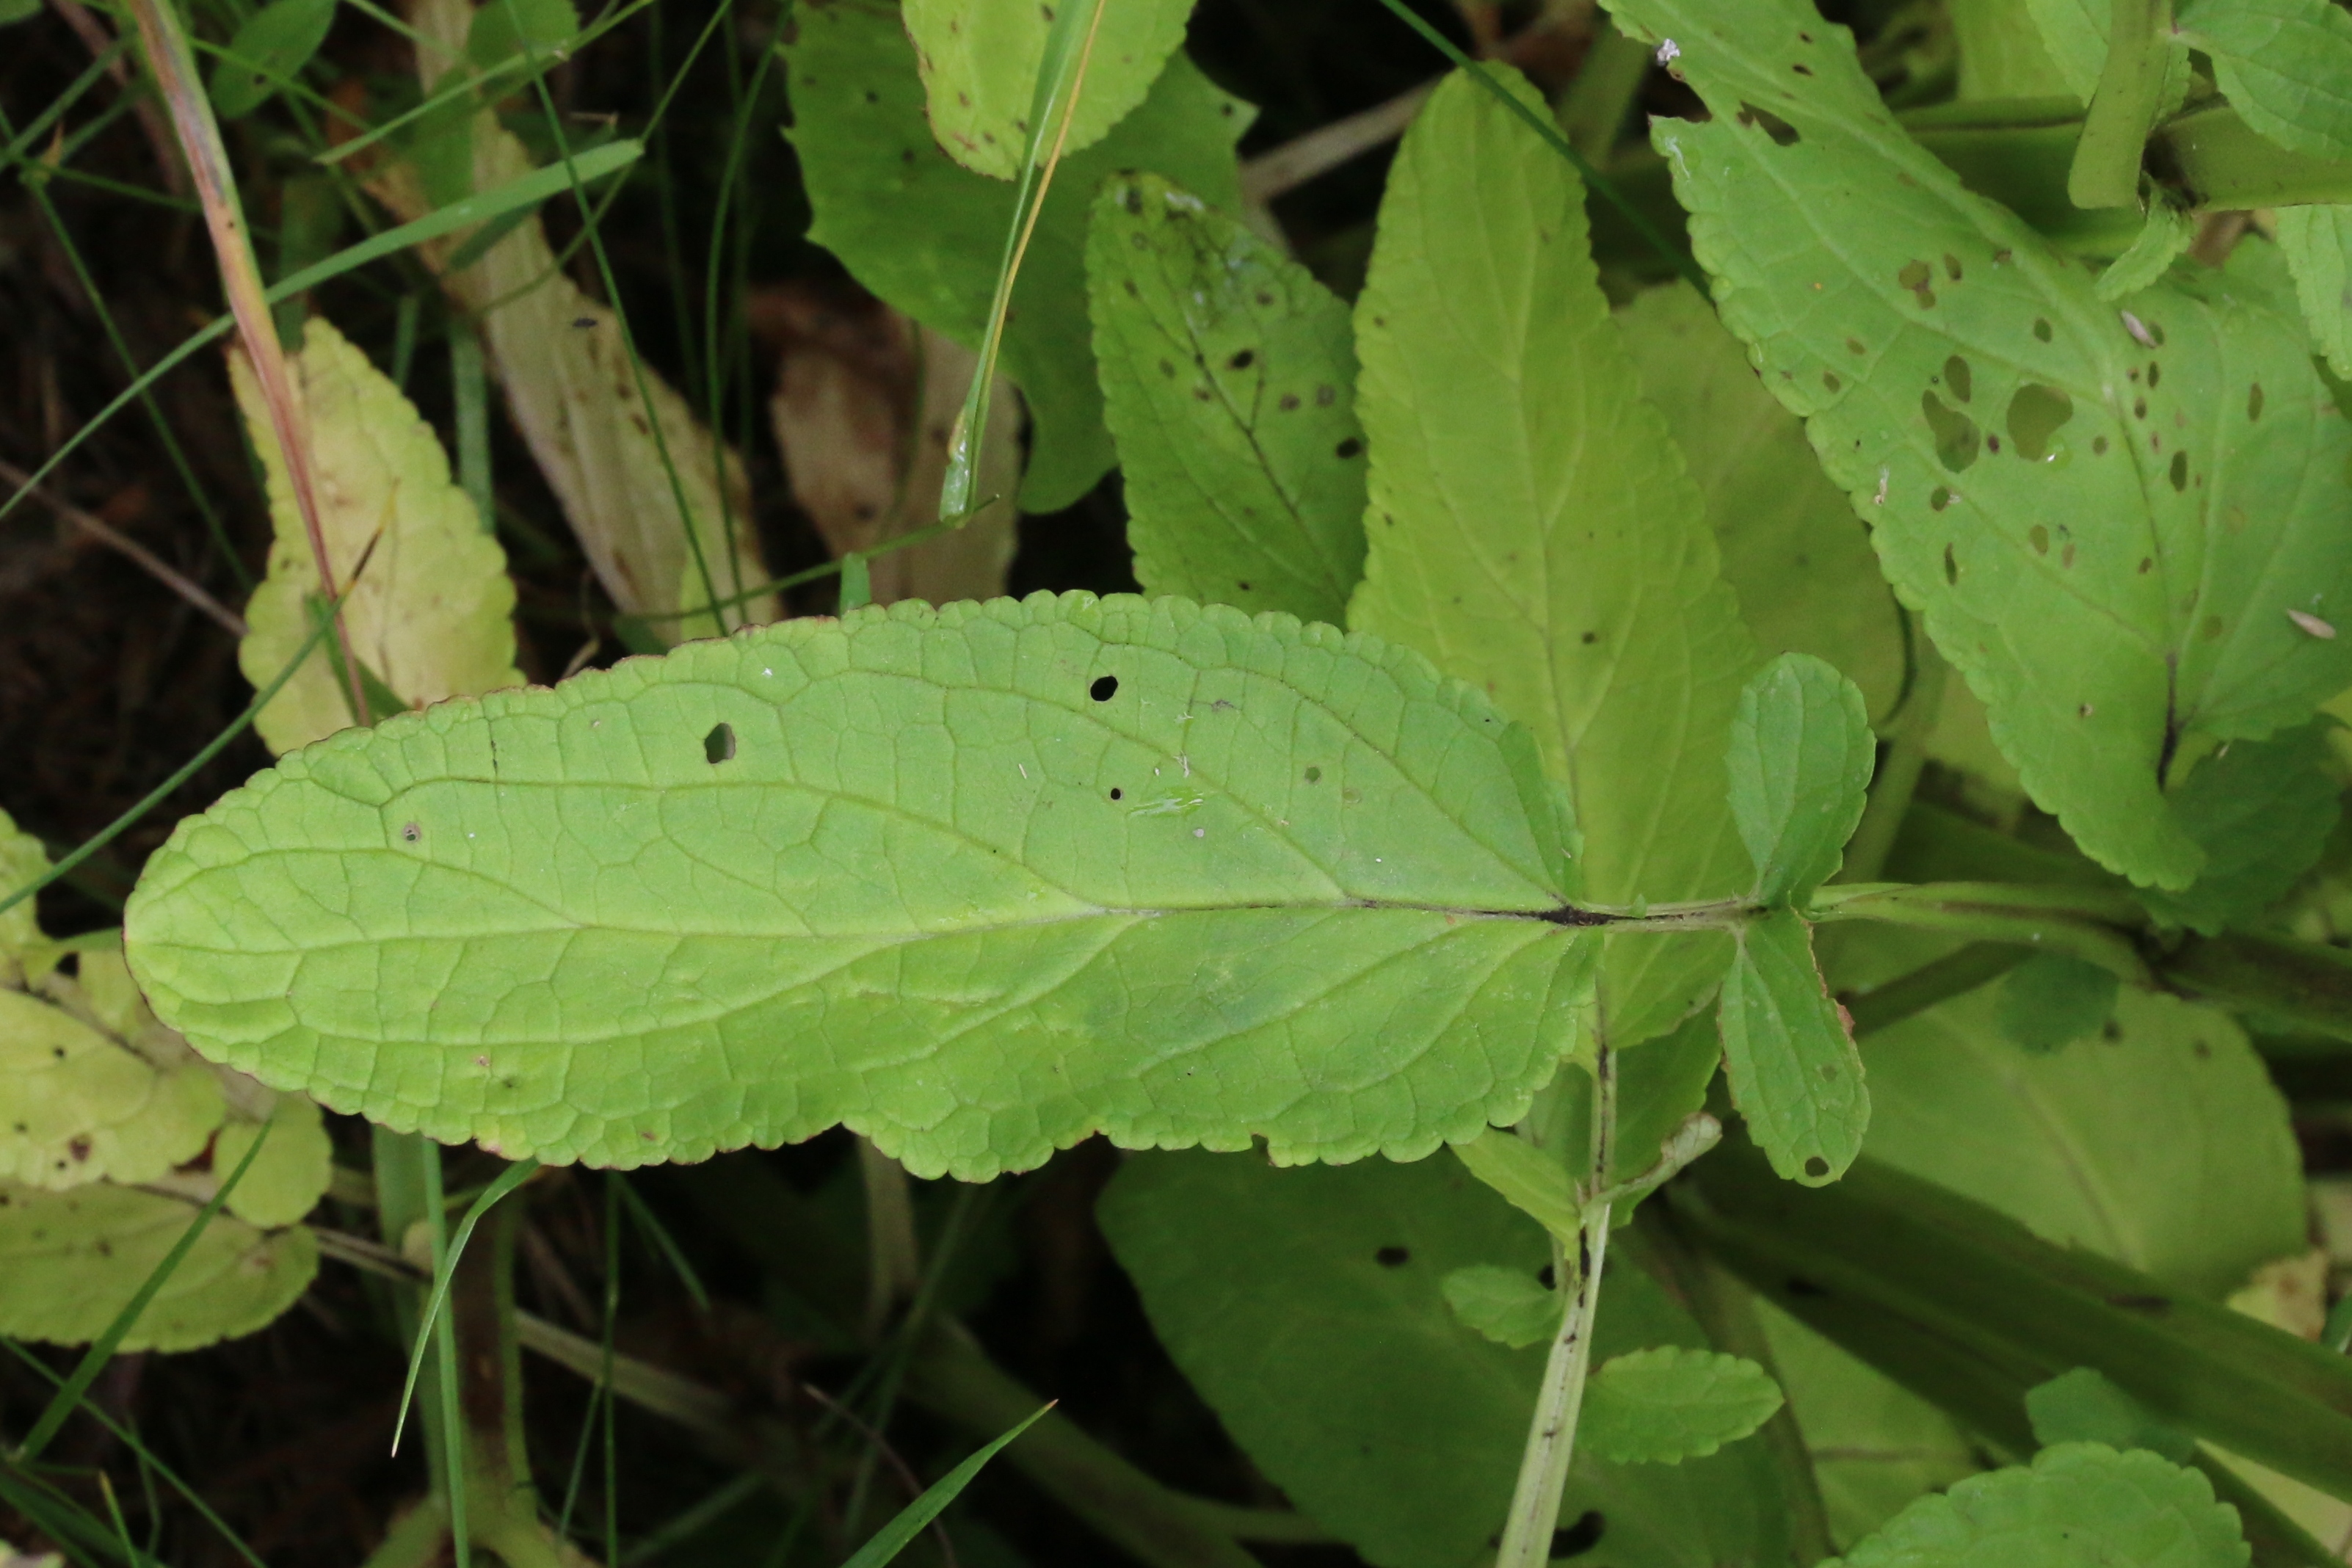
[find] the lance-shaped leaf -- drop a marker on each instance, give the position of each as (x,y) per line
(980,59)
(1532,528)
(1795,1074)
(432,616)
(2111,516)
(2078,1504)
(70,1261)
(919,230)
(1800,758)
(1229,378)
(1668,1404)
(2286,66)
(977,881)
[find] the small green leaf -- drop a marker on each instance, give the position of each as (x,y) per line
(1795,1074)
(2317,244)
(2081,1505)
(2262,811)
(269,47)
(977,881)
(2086,1406)
(503,28)
(2162,240)
(908,222)
(2286,66)
(2105,513)
(1532,527)
(23,861)
(1509,1306)
(979,59)
(2052,1000)
(289,1175)
(70,1261)
(431,615)
(1308,1307)
(1531,1180)
(1801,761)
(1228,381)
(1663,1405)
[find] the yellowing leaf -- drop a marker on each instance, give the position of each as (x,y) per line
(430,615)
(70,1261)
(286,1179)
(572,392)
(980,59)
(75,1106)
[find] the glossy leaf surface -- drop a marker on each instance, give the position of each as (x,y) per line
(908,222)
(1795,1074)
(2107,512)
(1532,527)
(1228,381)
(977,882)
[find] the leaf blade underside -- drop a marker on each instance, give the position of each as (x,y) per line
(977,882)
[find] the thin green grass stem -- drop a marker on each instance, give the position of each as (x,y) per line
(444,1263)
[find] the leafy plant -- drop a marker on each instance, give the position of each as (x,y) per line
(1906,680)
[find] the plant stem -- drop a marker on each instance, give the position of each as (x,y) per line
(1551,1434)
(2105,171)
(893,1258)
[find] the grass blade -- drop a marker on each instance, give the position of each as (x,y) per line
(444,1266)
(892,1538)
(93,1362)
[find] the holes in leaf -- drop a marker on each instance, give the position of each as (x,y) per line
(2140,407)
(1547,1277)
(2254,402)
(1348,447)
(718,746)
(1392,1256)
(1313,774)
(2178,472)
(1956,436)
(1916,276)
(1117,792)
(1242,361)
(1951,267)
(1576,1540)
(411,832)
(2041,329)
(2154,371)
(1957,377)
(2035,414)
(1939,498)
(1816,1167)
(1951,567)
(1783,134)
(1104,688)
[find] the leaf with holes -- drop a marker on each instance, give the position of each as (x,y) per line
(1229,379)
(431,613)
(1801,757)
(2286,66)
(1790,1054)
(1310,1310)
(2078,1504)
(1533,529)
(70,1261)
(978,60)
(2110,515)
(1669,1403)
(978,883)
(910,223)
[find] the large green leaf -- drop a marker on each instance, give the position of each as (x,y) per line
(978,881)
(2107,514)
(1229,378)
(1790,1054)
(1308,1307)
(924,233)
(1533,529)
(2080,1505)
(70,1261)
(1792,549)
(2285,64)
(980,59)
(2164,1146)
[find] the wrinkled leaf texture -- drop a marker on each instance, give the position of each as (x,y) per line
(2106,513)
(977,882)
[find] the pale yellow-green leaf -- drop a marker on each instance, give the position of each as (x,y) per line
(289,1175)
(560,360)
(432,614)
(22,859)
(1533,529)
(70,1261)
(75,1106)
(980,59)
